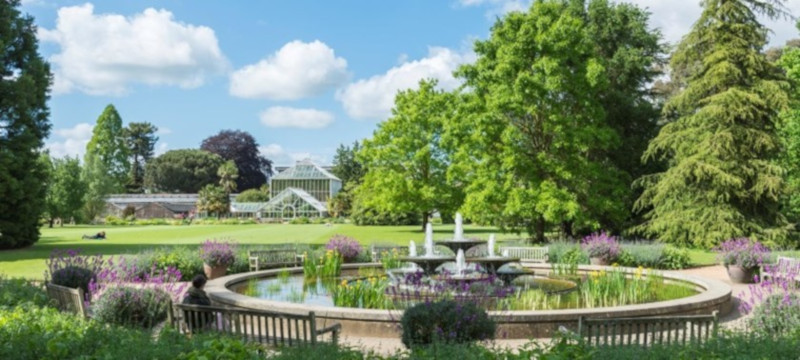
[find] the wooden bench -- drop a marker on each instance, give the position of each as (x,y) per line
(262,326)
(67,299)
(273,258)
(648,330)
(785,268)
(527,254)
(377,251)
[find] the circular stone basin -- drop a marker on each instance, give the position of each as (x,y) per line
(713,295)
(456,245)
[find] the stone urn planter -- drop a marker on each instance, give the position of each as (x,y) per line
(598,261)
(213,272)
(740,275)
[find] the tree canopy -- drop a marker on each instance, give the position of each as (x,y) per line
(722,180)
(242,148)
(24,124)
(182,171)
(105,162)
(140,139)
(65,189)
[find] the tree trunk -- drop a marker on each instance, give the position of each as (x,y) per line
(566,230)
(540,227)
(52,220)
(425,215)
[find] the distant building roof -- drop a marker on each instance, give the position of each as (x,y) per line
(305,169)
(155,198)
(316,204)
(247,207)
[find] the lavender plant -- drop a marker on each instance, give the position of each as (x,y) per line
(742,252)
(601,245)
(346,246)
(71,269)
(132,306)
(218,253)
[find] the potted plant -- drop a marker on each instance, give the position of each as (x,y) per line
(217,256)
(602,248)
(742,257)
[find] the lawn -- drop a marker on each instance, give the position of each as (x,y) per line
(30,262)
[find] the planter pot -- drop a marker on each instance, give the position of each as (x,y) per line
(740,275)
(215,271)
(598,261)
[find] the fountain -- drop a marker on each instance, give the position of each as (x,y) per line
(412,249)
(428,261)
(461,263)
(490,246)
(458,242)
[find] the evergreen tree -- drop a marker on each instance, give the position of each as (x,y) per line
(722,180)
(65,189)
(228,173)
(141,141)
(346,166)
(24,84)
(106,161)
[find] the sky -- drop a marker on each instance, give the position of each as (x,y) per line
(301,76)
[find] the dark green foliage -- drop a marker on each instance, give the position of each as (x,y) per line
(346,165)
(722,181)
(213,200)
(254,195)
(106,165)
(445,321)
(322,352)
(18,291)
(24,85)
(65,189)
(184,259)
(132,306)
(370,216)
(241,148)
(44,333)
(778,314)
(653,256)
(182,171)
(141,141)
(73,277)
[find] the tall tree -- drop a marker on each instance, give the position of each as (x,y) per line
(406,164)
(789,134)
(106,161)
(141,141)
(242,148)
(182,171)
(346,166)
(213,199)
(533,129)
(228,174)
(722,180)
(24,85)
(65,189)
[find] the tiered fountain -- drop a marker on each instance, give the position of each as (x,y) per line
(429,262)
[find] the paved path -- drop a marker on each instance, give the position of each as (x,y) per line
(732,320)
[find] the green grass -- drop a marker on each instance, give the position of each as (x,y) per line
(702,257)
(121,240)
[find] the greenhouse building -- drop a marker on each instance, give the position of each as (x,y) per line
(301,191)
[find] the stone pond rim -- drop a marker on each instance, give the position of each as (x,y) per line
(713,295)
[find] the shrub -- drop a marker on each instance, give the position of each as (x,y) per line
(601,245)
(742,252)
(186,260)
(445,321)
(645,255)
(217,253)
(346,246)
(674,258)
(18,291)
(71,269)
(779,314)
(132,306)
(566,253)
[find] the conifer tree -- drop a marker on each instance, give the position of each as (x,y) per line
(721,180)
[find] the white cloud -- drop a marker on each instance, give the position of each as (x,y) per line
(72,141)
(105,53)
(163,130)
(282,157)
(161,148)
(281,116)
(297,70)
(373,98)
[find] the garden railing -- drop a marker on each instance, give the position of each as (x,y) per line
(648,330)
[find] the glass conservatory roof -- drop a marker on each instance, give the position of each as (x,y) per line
(247,207)
(306,197)
(305,169)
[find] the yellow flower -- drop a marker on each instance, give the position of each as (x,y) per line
(344,282)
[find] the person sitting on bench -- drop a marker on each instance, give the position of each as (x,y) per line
(99,236)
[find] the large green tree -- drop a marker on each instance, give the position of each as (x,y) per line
(406,164)
(24,84)
(65,189)
(536,141)
(789,133)
(182,171)
(105,162)
(213,199)
(228,173)
(141,141)
(722,180)
(242,148)
(349,169)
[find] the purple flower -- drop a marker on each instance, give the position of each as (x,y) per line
(348,247)
(742,252)
(218,253)
(601,245)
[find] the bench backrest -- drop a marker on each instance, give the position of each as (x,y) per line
(379,251)
(648,330)
(67,299)
(787,264)
(274,256)
(262,326)
(527,253)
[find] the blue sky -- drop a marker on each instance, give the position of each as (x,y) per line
(301,76)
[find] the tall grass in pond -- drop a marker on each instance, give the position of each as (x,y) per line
(613,288)
(369,293)
(326,266)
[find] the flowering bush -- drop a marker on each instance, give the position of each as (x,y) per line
(71,269)
(742,252)
(346,246)
(778,314)
(445,321)
(124,271)
(132,306)
(601,245)
(218,253)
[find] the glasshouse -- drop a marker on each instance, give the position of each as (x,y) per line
(301,191)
